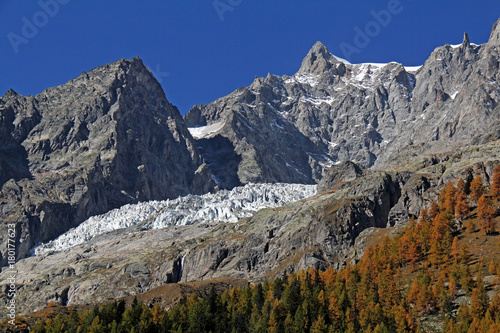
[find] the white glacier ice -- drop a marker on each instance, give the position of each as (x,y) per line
(222,206)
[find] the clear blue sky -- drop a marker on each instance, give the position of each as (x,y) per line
(207,58)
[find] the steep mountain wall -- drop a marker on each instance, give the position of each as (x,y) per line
(104,139)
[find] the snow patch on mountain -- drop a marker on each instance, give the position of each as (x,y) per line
(456,46)
(309,79)
(412,69)
(365,76)
(341,60)
(204,132)
(318,101)
(223,206)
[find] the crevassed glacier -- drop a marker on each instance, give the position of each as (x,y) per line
(222,206)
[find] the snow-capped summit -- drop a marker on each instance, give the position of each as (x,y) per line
(340,111)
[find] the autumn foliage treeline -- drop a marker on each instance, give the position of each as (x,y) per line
(419,273)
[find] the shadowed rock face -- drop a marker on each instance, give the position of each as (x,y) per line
(342,172)
(104,139)
(364,113)
(220,155)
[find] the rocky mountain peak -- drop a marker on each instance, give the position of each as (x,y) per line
(125,71)
(495,33)
(318,60)
(319,48)
(10,93)
(104,139)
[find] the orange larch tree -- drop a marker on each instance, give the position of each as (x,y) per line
(447,198)
(461,207)
(478,305)
(476,188)
(413,255)
(464,253)
(424,216)
(486,213)
(414,292)
(433,210)
(452,286)
(333,308)
(276,317)
(455,250)
(492,269)
(495,183)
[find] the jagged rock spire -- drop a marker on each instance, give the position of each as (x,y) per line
(466,41)
(318,60)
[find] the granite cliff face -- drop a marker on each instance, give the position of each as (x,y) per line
(104,139)
(366,113)
(455,100)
